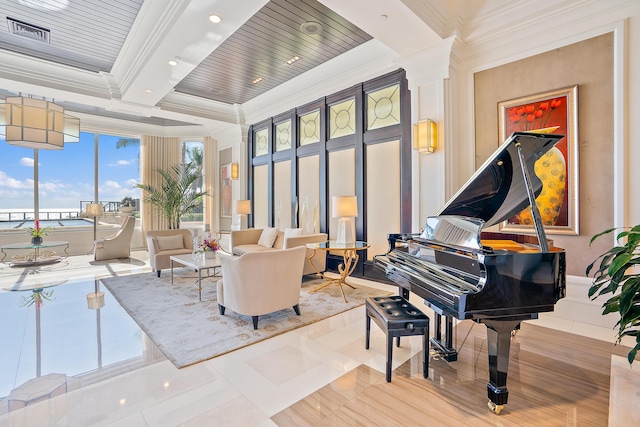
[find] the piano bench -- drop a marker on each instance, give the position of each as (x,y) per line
(397,318)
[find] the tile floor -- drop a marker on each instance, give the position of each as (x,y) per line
(138,387)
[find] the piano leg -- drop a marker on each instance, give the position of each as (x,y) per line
(498,345)
(445,350)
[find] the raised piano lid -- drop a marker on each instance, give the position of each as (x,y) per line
(497,191)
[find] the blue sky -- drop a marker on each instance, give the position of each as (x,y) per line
(66,176)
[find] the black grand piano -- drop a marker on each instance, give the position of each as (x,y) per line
(490,277)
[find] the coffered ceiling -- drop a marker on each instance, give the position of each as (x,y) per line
(111,58)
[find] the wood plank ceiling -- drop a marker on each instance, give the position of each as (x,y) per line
(89,35)
(264,44)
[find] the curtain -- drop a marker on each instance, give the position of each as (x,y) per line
(210,179)
(156,153)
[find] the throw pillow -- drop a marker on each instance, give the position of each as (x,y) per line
(268,237)
(170,242)
(292,232)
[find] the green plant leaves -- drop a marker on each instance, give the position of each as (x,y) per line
(618,274)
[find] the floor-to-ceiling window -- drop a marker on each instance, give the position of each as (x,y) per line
(193,156)
(59,183)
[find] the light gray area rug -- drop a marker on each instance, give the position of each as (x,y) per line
(189,331)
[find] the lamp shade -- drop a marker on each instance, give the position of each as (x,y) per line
(425,136)
(344,206)
(95,209)
(95,300)
(38,124)
(243,207)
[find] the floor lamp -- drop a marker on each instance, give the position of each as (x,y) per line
(95,210)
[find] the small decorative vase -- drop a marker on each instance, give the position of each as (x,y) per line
(36,240)
(210,254)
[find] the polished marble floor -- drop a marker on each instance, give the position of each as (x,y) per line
(116,377)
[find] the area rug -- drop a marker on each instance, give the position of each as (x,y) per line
(188,331)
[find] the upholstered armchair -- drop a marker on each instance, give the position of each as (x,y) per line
(117,245)
(164,243)
(259,283)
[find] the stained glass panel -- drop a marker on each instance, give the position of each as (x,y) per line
(309,128)
(261,142)
(383,107)
(283,136)
(342,118)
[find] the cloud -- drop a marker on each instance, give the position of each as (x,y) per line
(111,184)
(122,163)
(7,181)
(26,161)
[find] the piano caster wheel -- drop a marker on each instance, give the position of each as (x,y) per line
(496,409)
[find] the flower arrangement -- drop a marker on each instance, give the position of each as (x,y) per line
(208,244)
(534,116)
(38,231)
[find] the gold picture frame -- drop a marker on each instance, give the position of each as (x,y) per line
(558,202)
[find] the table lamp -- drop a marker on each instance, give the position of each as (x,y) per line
(243,208)
(345,208)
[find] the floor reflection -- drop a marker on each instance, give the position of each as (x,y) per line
(63,335)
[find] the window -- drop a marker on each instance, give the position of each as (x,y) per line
(309,125)
(193,155)
(283,136)
(342,118)
(383,107)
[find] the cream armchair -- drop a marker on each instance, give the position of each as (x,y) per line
(117,245)
(164,243)
(259,283)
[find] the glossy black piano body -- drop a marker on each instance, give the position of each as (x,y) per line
(493,278)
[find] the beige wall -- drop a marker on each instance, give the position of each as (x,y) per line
(383,195)
(282,194)
(589,64)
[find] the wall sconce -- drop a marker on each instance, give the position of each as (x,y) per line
(234,171)
(425,136)
(345,208)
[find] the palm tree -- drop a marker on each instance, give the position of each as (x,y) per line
(179,194)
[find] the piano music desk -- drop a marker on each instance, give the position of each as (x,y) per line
(349,261)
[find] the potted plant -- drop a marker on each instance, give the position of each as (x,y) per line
(36,232)
(178,195)
(618,274)
(127,205)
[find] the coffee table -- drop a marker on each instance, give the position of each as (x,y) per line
(39,256)
(198,262)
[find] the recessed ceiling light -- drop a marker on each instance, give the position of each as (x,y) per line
(173,62)
(311,28)
(256,81)
(148,90)
(294,59)
(215,19)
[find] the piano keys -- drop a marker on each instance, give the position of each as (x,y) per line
(464,272)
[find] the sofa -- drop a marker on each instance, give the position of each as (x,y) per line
(261,282)
(249,240)
(164,243)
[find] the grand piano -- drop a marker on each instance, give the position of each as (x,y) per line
(493,278)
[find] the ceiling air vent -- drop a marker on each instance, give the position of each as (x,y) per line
(31,31)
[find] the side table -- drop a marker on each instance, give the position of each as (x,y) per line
(349,261)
